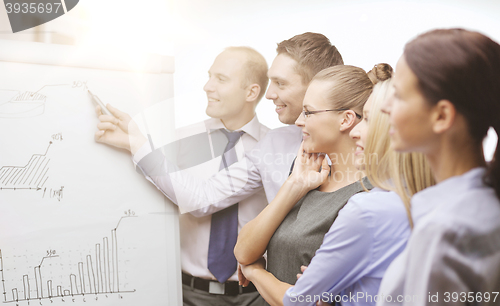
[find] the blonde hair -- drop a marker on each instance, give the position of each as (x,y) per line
(403,173)
(351,86)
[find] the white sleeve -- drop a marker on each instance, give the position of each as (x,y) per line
(201,197)
(141,153)
(436,266)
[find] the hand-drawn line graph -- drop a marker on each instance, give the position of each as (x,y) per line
(32,176)
(97,275)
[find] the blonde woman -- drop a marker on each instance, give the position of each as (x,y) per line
(371,229)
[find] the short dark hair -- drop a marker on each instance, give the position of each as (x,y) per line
(313,52)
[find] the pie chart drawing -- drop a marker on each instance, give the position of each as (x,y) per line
(24,15)
(18,104)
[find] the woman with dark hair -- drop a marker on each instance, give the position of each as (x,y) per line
(447,96)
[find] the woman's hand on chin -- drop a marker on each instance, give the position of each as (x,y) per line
(310,170)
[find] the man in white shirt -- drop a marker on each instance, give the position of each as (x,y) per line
(237,82)
(267,165)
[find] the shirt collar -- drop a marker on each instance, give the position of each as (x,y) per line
(252,128)
(428,199)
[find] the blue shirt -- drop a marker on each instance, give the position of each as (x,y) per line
(453,254)
(369,232)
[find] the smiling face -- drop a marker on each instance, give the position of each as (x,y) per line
(286,88)
(225,93)
(360,134)
(410,113)
(320,131)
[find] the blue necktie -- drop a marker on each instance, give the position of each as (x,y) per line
(224,228)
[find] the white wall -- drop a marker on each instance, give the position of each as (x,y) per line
(365,32)
(195,31)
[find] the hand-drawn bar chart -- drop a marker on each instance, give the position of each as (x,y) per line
(97,274)
(31,176)
(17,104)
(23,105)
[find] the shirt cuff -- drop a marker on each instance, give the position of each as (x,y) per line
(289,295)
(143,151)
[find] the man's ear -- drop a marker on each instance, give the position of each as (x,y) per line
(348,120)
(443,116)
(253,91)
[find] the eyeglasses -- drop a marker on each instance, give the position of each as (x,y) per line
(307,113)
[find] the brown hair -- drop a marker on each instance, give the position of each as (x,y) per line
(462,67)
(255,69)
(380,72)
(352,86)
(313,52)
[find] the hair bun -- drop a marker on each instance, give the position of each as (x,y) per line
(380,72)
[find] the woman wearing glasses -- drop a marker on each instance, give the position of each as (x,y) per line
(293,226)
